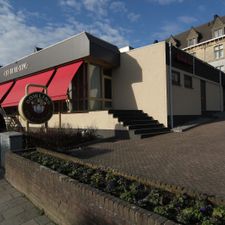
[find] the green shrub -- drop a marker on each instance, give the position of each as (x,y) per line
(179,208)
(58,138)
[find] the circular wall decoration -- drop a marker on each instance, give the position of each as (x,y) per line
(36,107)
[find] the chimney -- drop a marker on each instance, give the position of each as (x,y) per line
(36,49)
(215,16)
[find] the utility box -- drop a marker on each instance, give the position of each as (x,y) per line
(9,141)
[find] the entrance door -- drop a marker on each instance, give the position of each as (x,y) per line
(203,96)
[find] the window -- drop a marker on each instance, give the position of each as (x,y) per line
(107,88)
(220,67)
(187,81)
(218,33)
(175,78)
(78,91)
(94,87)
(218,52)
(192,41)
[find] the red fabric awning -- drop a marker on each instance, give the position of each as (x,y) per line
(57,89)
(18,90)
(4,88)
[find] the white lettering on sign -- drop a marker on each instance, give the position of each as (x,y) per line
(15,69)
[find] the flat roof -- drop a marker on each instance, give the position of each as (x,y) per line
(81,46)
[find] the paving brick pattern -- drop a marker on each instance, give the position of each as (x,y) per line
(15,209)
(194,159)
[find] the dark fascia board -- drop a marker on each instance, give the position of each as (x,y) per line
(202,69)
(104,51)
(80,46)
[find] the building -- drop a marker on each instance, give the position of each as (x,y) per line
(93,85)
(206,42)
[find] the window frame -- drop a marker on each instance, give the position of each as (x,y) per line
(188,78)
(219,51)
(176,82)
(192,41)
(217,32)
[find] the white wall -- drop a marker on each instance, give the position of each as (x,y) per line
(96,119)
(140,81)
(187,101)
(213,98)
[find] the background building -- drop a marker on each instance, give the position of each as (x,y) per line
(206,42)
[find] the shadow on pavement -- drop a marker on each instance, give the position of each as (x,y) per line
(89,152)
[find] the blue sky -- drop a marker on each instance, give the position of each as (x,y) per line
(25,24)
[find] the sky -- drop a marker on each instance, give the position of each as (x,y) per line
(25,24)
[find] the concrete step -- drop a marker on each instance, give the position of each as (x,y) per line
(143,126)
(153,134)
(136,118)
(150,130)
(135,122)
(131,116)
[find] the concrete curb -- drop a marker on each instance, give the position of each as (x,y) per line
(68,202)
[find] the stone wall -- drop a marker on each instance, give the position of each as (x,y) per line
(69,202)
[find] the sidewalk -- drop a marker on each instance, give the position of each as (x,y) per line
(15,209)
(194,159)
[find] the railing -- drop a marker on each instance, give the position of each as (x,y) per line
(11,121)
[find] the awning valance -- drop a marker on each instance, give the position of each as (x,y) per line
(59,85)
(18,90)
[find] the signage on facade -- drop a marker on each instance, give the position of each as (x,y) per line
(36,107)
(15,69)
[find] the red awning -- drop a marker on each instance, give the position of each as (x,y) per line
(18,90)
(4,88)
(57,89)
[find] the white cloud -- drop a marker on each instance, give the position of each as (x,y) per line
(71,3)
(17,39)
(166,2)
(118,6)
(172,28)
(101,9)
(133,17)
(166,30)
(96,6)
(187,19)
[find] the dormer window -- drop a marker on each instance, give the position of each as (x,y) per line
(192,41)
(218,27)
(218,33)
(173,41)
(193,37)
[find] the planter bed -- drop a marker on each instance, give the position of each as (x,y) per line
(179,208)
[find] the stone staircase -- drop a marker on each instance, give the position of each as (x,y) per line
(140,125)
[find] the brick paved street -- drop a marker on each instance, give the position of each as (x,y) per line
(15,209)
(194,159)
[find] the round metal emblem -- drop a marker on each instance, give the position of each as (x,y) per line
(36,107)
